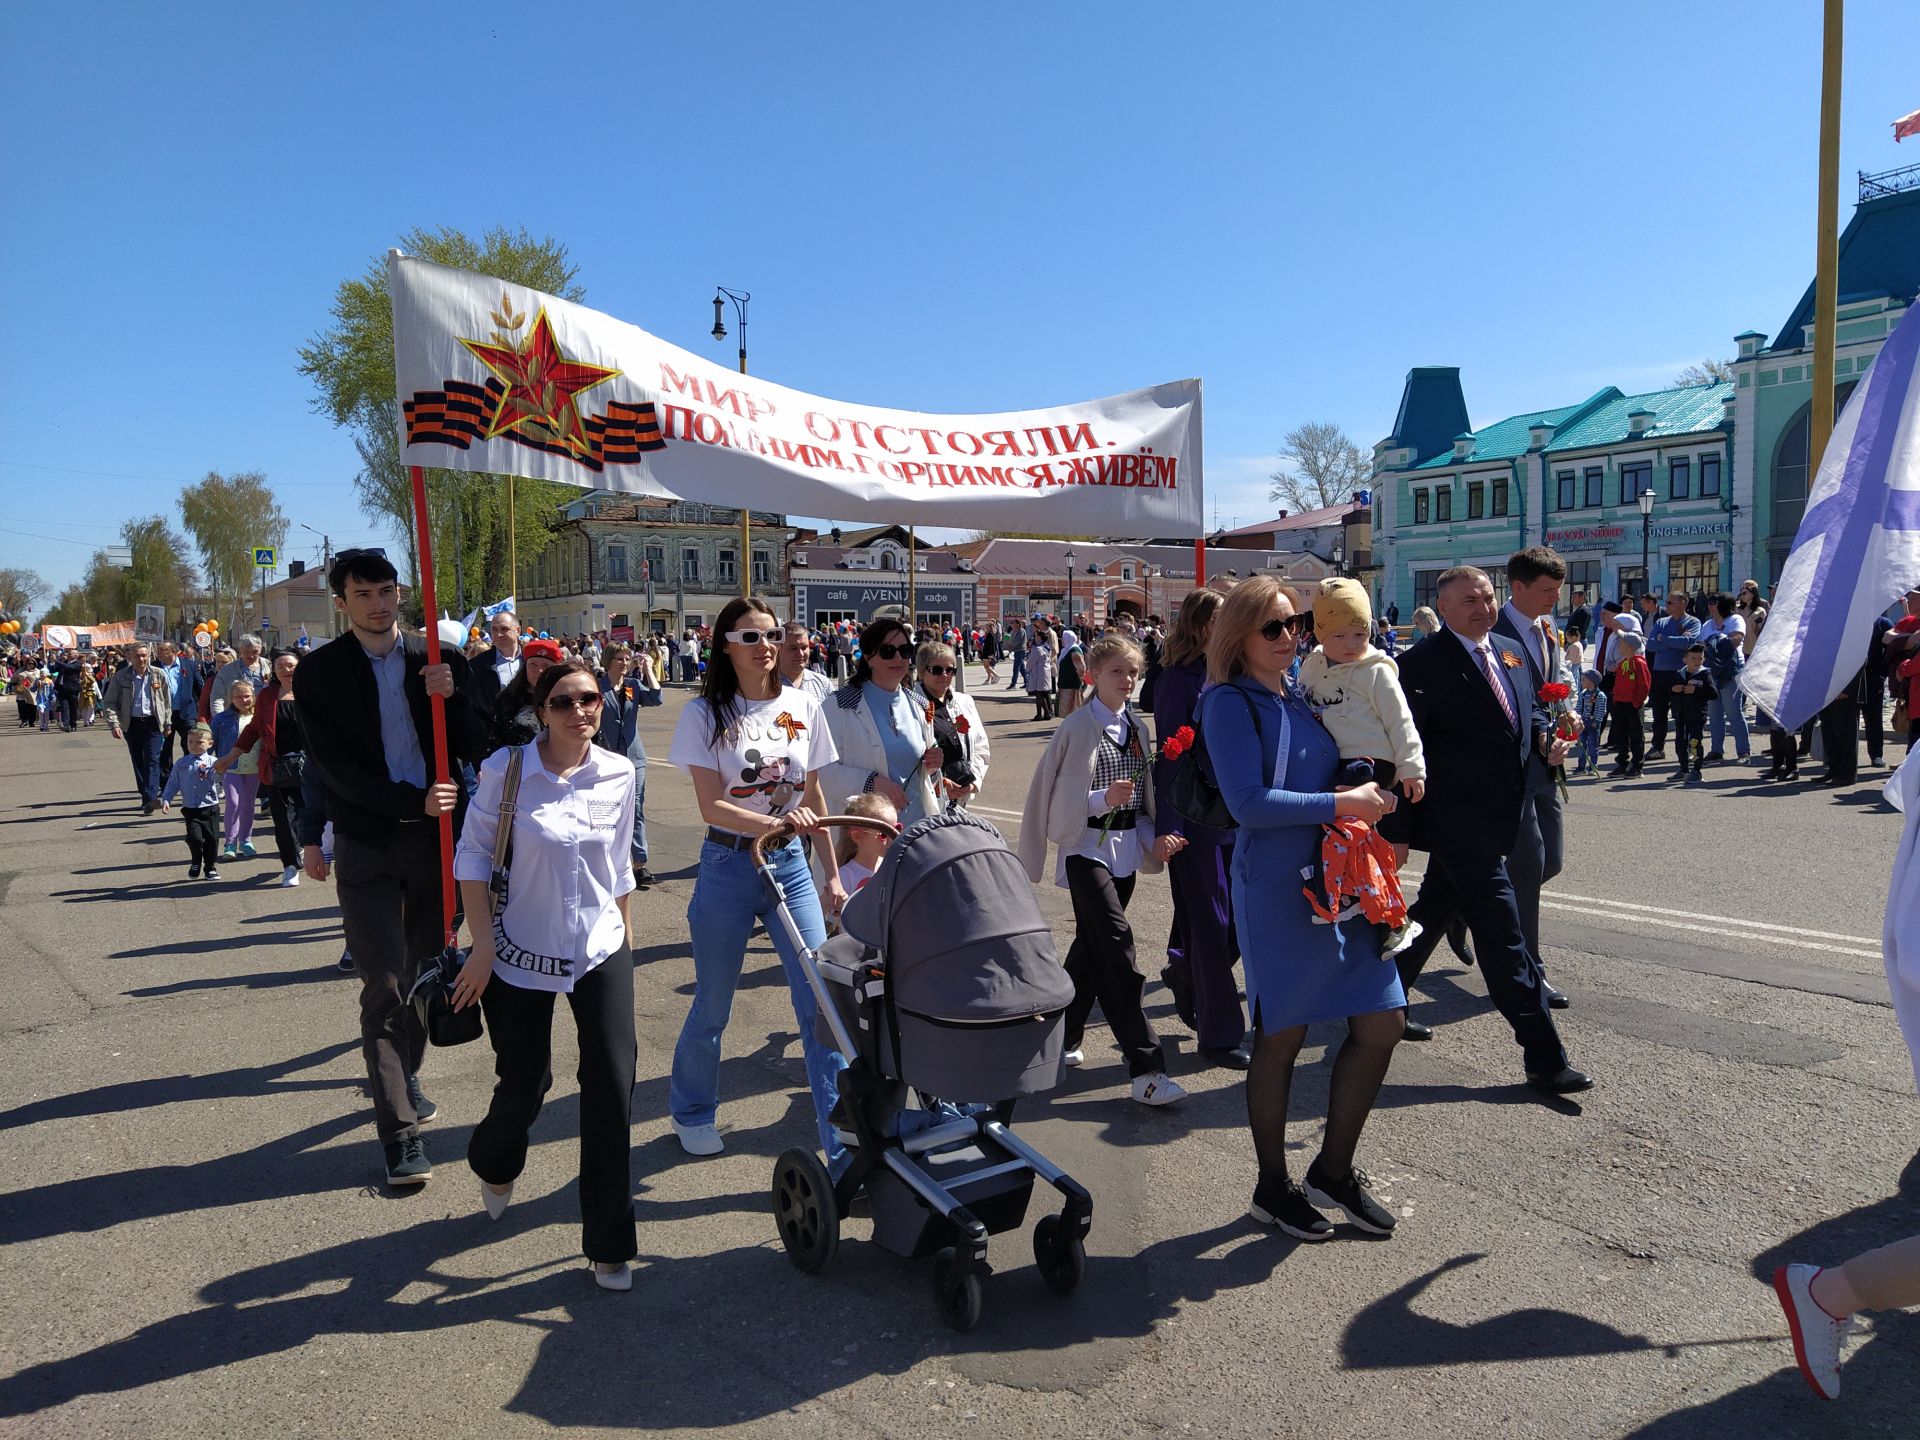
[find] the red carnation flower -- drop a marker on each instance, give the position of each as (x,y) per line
(1554,691)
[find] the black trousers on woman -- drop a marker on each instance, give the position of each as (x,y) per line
(1203,946)
(283,803)
(1840,738)
(1101,965)
(520,1025)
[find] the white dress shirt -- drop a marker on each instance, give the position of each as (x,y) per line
(1530,635)
(572,859)
(1120,851)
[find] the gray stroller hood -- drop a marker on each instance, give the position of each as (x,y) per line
(969,958)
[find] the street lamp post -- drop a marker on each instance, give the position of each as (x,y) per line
(739,299)
(1646,539)
(1068,618)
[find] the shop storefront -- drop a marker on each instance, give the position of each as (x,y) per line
(1605,561)
(826,600)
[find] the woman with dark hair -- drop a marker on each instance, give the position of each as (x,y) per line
(881,738)
(1276,768)
(282,759)
(754,749)
(1202,946)
(561,929)
(514,719)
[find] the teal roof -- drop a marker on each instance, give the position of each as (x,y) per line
(1432,408)
(1501,441)
(1688,410)
(1878,253)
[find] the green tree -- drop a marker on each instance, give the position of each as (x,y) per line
(351,366)
(227,516)
(21,589)
(158,574)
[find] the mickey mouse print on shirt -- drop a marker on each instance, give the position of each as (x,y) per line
(764,756)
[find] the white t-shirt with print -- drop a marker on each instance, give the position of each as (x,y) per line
(765,755)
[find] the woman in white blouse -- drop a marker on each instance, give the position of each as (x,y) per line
(882,741)
(561,930)
(965,750)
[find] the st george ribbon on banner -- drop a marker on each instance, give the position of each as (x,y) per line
(1858,547)
(502,379)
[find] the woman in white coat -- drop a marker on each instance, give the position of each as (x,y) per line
(884,743)
(965,751)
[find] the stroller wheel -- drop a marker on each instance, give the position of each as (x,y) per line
(805,1210)
(956,1291)
(1061,1256)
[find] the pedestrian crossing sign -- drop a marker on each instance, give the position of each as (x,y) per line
(263,557)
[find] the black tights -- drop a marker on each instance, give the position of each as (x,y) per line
(1358,1071)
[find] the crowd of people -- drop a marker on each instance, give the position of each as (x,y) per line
(1319,721)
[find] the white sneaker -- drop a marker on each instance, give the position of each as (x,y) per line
(290,877)
(1402,939)
(1074,1059)
(699,1139)
(1817,1336)
(1156,1089)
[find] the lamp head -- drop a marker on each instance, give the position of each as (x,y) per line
(1646,501)
(719,322)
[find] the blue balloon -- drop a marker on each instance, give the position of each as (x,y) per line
(545,636)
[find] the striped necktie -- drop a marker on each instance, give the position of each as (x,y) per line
(1485,652)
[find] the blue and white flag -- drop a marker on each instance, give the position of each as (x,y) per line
(1858,548)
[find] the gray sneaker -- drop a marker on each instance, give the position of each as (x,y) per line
(407,1163)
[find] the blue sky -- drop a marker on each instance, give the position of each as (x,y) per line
(950,208)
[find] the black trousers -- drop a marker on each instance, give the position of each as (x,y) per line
(182,725)
(1478,888)
(1874,712)
(389,893)
(520,1024)
(66,708)
(1840,738)
(1203,945)
(1102,967)
(1689,736)
(1662,701)
(284,805)
(1629,737)
(203,834)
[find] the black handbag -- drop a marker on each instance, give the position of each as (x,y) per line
(1193,790)
(289,770)
(432,993)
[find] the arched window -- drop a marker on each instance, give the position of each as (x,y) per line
(1791,475)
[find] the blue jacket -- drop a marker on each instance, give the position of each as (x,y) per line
(194,782)
(1669,641)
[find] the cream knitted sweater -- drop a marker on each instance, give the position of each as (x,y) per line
(1365,711)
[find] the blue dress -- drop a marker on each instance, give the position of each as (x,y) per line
(1277,780)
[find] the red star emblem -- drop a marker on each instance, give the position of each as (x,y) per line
(541,385)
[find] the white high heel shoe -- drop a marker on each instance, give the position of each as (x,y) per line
(495,1200)
(616,1279)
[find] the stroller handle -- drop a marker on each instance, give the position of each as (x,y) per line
(784,832)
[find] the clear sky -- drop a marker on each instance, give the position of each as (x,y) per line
(950,208)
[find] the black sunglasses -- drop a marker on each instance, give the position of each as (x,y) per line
(1274,629)
(893,652)
(939,669)
(585,704)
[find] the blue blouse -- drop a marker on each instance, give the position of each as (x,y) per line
(893,715)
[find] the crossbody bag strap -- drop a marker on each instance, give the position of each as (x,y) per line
(503,836)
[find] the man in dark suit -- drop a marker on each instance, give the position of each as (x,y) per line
(364,708)
(1480,731)
(494,671)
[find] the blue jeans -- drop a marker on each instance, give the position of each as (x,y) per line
(727,899)
(1589,743)
(144,739)
(638,754)
(1728,706)
(1019,670)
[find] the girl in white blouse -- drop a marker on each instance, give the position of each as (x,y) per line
(560,930)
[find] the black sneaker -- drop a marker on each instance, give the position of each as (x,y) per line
(423,1108)
(345,964)
(642,878)
(193,871)
(1350,1196)
(407,1162)
(1283,1205)
(212,874)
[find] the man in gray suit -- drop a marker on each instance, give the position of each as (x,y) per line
(1535,577)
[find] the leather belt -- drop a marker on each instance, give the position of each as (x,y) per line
(732,841)
(1122,820)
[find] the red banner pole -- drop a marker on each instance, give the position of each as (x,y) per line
(430,609)
(1199,562)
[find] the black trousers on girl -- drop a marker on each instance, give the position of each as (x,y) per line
(1101,965)
(520,1025)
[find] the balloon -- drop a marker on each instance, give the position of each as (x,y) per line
(213,627)
(545,636)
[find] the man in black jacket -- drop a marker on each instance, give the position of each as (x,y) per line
(364,708)
(1480,728)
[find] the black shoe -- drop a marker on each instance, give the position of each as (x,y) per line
(407,1162)
(1459,942)
(1349,1196)
(193,871)
(1633,771)
(1238,1058)
(1656,753)
(423,1108)
(147,807)
(1555,1000)
(1180,986)
(642,878)
(345,964)
(1416,1031)
(1284,1205)
(1565,1081)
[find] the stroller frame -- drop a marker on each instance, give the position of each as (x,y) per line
(808,1204)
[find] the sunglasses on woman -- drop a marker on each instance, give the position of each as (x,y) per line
(754,637)
(1274,629)
(893,652)
(585,704)
(939,669)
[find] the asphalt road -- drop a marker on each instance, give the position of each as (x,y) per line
(197,1243)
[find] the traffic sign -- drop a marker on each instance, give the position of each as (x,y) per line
(264,557)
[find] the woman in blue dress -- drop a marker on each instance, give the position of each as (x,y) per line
(1276,768)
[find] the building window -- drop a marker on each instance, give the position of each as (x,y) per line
(1680,479)
(762,569)
(1499,497)
(1695,574)
(1126,573)
(1635,478)
(656,562)
(1633,581)
(1709,475)
(1790,470)
(1443,505)
(1420,515)
(727,566)
(690,564)
(616,564)
(1583,579)
(1498,575)
(886,560)
(1476,500)
(1569,490)
(1596,479)
(1423,586)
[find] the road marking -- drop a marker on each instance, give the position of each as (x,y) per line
(1719,932)
(1716,919)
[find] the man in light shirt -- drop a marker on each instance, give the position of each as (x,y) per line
(796,649)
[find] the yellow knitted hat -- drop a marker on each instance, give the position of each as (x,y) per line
(1340,605)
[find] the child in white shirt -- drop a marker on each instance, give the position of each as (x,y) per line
(861,851)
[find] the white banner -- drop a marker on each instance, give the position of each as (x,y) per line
(499,378)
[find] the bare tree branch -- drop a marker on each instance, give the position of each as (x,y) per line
(1326,467)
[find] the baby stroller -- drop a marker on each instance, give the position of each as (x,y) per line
(944,982)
